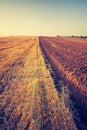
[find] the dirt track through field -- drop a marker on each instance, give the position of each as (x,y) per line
(28,97)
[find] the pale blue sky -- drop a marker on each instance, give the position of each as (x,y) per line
(43,17)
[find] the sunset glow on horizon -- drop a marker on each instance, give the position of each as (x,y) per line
(43,17)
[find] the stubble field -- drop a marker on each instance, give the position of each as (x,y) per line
(29,97)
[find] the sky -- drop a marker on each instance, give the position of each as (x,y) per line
(43,17)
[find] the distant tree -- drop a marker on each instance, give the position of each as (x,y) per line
(58,35)
(83,36)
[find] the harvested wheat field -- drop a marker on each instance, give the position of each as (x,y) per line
(30,97)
